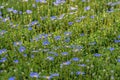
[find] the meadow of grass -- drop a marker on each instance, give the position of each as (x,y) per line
(59,40)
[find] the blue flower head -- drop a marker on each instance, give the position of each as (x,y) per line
(58,2)
(17,43)
(41,1)
(82,34)
(55,74)
(30,28)
(25,55)
(11,78)
(70,23)
(3,60)
(57,37)
(87,8)
(117,41)
(20,12)
(111,49)
(67,40)
(22,49)
(119,36)
(75,59)
(92,17)
(82,65)
(79,72)
(118,60)
(46,43)
(64,53)
(16,61)
(34,74)
(97,55)
(15,11)
(33,23)
(2,32)
(66,63)
(53,17)
(3,51)
(9,9)
(0,13)
(28,11)
(50,58)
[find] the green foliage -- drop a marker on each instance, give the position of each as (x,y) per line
(91,35)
